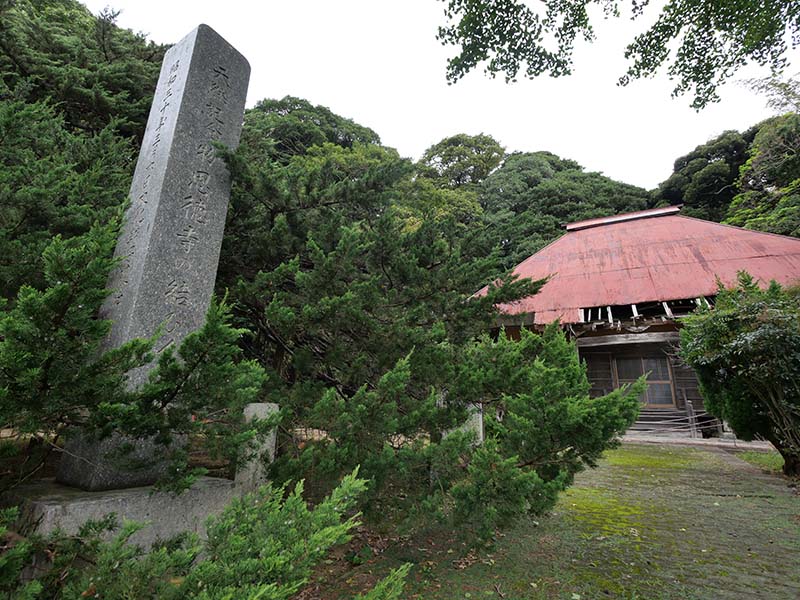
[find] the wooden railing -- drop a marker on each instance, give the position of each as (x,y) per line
(689,421)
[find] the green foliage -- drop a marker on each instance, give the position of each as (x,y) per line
(773,210)
(74,87)
(496,492)
(785,217)
(200,389)
(715,41)
(746,352)
(783,95)
(703,43)
(15,553)
(355,278)
(52,182)
(774,160)
(96,73)
(281,129)
(745,179)
(356,273)
(526,201)
(53,377)
(461,160)
(269,544)
(88,566)
(705,180)
(390,588)
(352,268)
(262,545)
(770,179)
(50,371)
(508,34)
(542,425)
(75,91)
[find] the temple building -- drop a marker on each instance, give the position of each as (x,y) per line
(620,286)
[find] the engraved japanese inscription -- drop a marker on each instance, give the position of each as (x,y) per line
(170,242)
(172,234)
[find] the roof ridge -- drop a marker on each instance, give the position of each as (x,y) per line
(647,213)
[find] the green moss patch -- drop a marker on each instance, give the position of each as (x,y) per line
(654,522)
(770,461)
(602,513)
(650,457)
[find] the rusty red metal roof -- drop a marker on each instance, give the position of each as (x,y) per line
(644,258)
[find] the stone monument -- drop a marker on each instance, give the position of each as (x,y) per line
(171,238)
(169,248)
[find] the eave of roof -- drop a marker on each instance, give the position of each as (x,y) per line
(645,259)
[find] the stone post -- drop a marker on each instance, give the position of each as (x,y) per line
(171,238)
(474,423)
(172,235)
(253,473)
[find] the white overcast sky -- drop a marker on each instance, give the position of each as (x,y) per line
(378,62)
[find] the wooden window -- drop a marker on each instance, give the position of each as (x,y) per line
(600,373)
(659,382)
(629,369)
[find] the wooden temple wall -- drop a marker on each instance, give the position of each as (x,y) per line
(671,382)
(615,358)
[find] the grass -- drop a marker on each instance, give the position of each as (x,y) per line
(770,461)
(651,522)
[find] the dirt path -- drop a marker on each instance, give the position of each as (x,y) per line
(651,522)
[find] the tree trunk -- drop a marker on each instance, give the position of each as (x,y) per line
(791,458)
(791,463)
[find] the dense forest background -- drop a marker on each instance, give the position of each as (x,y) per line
(76,91)
(348,264)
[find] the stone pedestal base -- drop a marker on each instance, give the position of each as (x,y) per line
(46,506)
(114,463)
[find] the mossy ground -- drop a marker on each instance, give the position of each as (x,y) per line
(650,522)
(770,461)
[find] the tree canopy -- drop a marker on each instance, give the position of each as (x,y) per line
(769,183)
(53,181)
(290,126)
(705,180)
(354,269)
(746,352)
(461,160)
(702,43)
(75,92)
(94,71)
(528,199)
(748,179)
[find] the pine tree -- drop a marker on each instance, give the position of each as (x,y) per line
(95,72)
(262,546)
(53,181)
(357,278)
(53,377)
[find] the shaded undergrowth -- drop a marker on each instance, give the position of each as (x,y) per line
(651,522)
